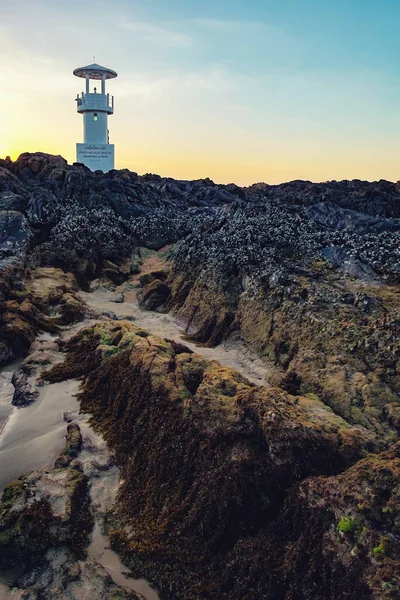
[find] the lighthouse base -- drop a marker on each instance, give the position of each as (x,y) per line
(97,157)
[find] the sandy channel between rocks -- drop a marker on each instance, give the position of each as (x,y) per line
(230,353)
(32,438)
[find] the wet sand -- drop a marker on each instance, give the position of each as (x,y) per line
(34,436)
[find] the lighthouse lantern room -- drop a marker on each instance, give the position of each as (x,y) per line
(95,105)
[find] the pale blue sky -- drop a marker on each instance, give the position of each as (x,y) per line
(238,91)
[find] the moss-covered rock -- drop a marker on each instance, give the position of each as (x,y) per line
(336,338)
(40,511)
(42,300)
(154,295)
(208,459)
(347,524)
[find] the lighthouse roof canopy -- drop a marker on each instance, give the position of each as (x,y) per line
(95,71)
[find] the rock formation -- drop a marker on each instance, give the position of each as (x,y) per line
(230,491)
(218,472)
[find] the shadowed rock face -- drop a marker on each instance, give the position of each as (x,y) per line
(219,476)
(15,233)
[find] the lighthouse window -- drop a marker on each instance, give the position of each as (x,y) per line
(95,117)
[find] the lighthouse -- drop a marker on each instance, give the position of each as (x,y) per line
(95,105)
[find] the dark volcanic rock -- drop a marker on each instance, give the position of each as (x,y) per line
(378,198)
(25,391)
(334,217)
(29,166)
(83,218)
(11,201)
(14,233)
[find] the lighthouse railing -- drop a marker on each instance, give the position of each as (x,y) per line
(95,101)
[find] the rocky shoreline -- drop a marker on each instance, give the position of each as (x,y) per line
(230,489)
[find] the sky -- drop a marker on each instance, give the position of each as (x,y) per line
(239,91)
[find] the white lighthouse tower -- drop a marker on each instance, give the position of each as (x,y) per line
(95,105)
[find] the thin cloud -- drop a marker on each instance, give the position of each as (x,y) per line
(214,80)
(157,34)
(271,34)
(224,25)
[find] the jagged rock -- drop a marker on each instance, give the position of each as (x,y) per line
(334,217)
(229,484)
(25,391)
(86,218)
(42,301)
(74,440)
(29,165)
(113,272)
(42,207)
(8,181)
(150,277)
(10,201)
(14,233)
(154,295)
(41,511)
(378,198)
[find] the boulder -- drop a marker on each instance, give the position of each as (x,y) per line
(40,511)
(113,272)
(11,201)
(154,295)
(29,165)
(150,277)
(26,390)
(14,233)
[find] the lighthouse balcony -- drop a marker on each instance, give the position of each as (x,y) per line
(95,102)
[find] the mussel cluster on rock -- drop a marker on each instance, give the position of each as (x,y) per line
(75,218)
